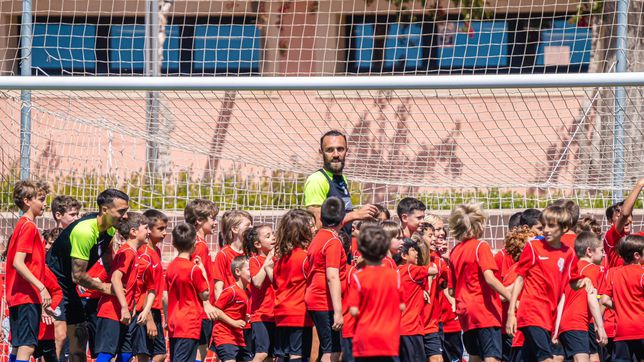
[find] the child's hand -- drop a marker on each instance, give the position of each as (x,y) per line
(511,325)
(47,319)
(141,319)
(338,322)
(426,297)
(151,328)
(126,317)
(554,340)
(107,289)
(210,310)
(602,338)
(588,285)
(239,323)
(45,297)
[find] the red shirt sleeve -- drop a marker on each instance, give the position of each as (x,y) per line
(451,276)
(51,283)
(27,237)
(419,273)
(198,280)
(220,268)
(333,254)
(147,273)
(224,299)
(485,257)
(573,268)
(606,286)
(526,260)
(254,266)
(353,297)
(124,261)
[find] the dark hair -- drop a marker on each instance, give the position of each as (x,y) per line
(107,197)
(238,263)
(132,221)
(51,234)
(293,231)
(346,242)
(585,240)
(572,207)
(515,221)
(332,211)
(332,133)
(530,217)
(199,209)
(62,204)
(629,245)
(383,210)
(373,244)
(406,245)
(184,237)
(251,235)
(589,223)
(154,216)
(409,205)
(610,211)
(28,190)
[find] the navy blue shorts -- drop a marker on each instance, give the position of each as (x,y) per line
(293,341)
(72,308)
(432,345)
(24,322)
(248,351)
(144,345)
(484,342)
(506,347)
(592,339)
(90,307)
(347,350)
(263,337)
(378,359)
(537,345)
(574,342)
(183,349)
(516,354)
(112,337)
(606,352)
(206,331)
(47,350)
(453,346)
(627,351)
(228,352)
(156,346)
(412,349)
(329,339)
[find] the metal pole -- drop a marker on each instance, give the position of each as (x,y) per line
(152,69)
(620,102)
(26,37)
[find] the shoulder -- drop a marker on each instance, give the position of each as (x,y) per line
(317,178)
(316,188)
(86,229)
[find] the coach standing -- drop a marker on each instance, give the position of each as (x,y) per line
(77,248)
(329,181)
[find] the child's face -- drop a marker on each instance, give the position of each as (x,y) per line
(395,245)
(244,273)
(538,228)
(37,204)
(596,255)
(243,226)
(68,217)
(208,225)
(141,233)
(439,230)
(48,244)
(411,257)
(158,231)
(552,232)
(266,240)
(413,219)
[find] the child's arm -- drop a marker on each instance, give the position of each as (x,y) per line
(585,283)
(595,311)
(24,272)
(560,307)
(235,323)
(335,289)
(511,326)
(354,311)
(145,312)
(219,287)
(150,326)
(627,208)
(450,299)
(165,308)
(607,301)
(119,292)
(495,284)
(263,272)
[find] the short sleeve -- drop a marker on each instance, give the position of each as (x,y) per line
(573,267)
(451,276)
(316,188)
(221,268)
(123,261)
(254,266)
(147,276)
(419,273)
(485,257)
(353,296)
(526,260)
(82,241)
(198,280)
(225,298)
(27,237)
(333,254)
(51,283)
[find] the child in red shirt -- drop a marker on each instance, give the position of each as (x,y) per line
(375,301)
(202,214)
(624,292)
(473,284)
(46,337)
(187,294)
(393,233)
(292,323)
(576,331)
(27,296)
(326,275)
(260,243)
(233,304)
(543,269)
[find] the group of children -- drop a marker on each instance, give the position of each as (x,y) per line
(391,291)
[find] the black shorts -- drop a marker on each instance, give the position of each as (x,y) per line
(627,351)
(90,308)
(329,339)
(24,322)
(248,351)
(46,350)
(412,349)
(378,359)
(206,332)
(183,349)
(228,352)
(293,341)
(112,337)
(592,339)
(72,308)
(453,346)
(142,344)
(557,349)
(606,352)
(537,345)
(484,342)
(263,338)
(574,342)
(506,347)
(347,350)
(432,345)
(516,354)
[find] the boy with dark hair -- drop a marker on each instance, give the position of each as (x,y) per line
(187,294)
(514,221)
(27,296)
(411,213)
(622,221)
(327,265)
(65,210)
(233,304)
(531,218)
(375,301)
(623,292)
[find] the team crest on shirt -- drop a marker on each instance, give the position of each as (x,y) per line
(560,264)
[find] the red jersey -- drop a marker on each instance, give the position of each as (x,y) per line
(413,279)
(625,285)
(289,282)
(125,261)
(184,282)
(611,240)
(610,319)
(223,260)
(234,302)
(568,239)
(546,271)
(262,300)
(477,304)
(97,271)
(576,315)
(325,251)
(509,278)
(25,239)
(503,262)
(46,332)
(389,263)
(354,248)
(376,291)
(149,276)
(202,252)
(349,326)
(448,316)
(432,310)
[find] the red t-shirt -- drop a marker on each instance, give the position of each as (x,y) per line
(97,271)
(149,276)
(503,262)
(509,278)
(389,263)
(545,271)
(610,319)
(46,332)
(576,315)
(234,302)
(448,317)
(611,240)
(289,282)
(262,300)
(126,261)
(413,279)
(202,252)
(568,239)
(432,310)
(348,329)
(477,304)
(325,251)
(184,282)
(25,239)
(625,285)
(376,291)
(223,260)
